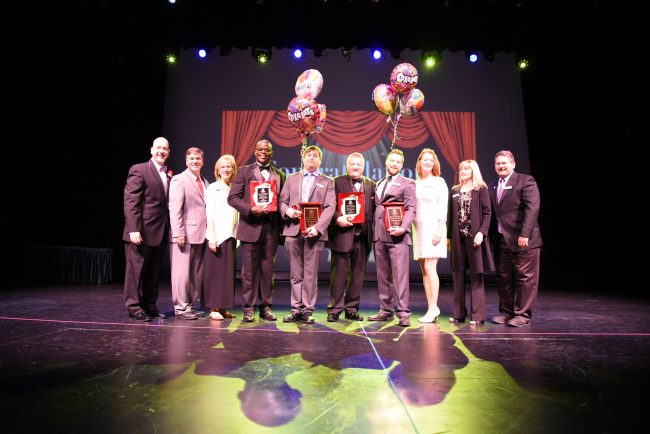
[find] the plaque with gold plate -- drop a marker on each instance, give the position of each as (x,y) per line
(264,193)
(351,205)
(393,214)
(310,213)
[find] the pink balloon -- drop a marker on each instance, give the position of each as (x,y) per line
(304,114)
(404,77)
(385,98)
(309,84)
(411,102)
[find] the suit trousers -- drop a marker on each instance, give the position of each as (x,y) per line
(304,257)
(257,269)
(142,276)
(187,275)
(470,255)
(346,277)
(517,279)
(393,277)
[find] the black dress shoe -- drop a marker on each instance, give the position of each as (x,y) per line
(382,315)
(140,316)
(268,314)
(156,314)
(354,316)
(248,317)
(333,317)
(292,317)
(308,318)
(187,315)
(404,322)
(476,322)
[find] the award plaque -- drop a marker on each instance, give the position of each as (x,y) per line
(351,205)
(310,214)
(393,214)
(264,193)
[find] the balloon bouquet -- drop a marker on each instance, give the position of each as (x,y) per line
(400,97)
(303,111)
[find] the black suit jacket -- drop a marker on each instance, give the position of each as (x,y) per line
(340,239)
(517,212)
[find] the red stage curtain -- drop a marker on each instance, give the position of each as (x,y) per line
(240,131)
(454,133)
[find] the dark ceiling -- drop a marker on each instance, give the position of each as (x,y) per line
(498,25)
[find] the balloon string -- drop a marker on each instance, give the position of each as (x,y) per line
(302,150)
(395,137)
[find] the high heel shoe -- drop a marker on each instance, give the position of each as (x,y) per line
(429,317)
(476,322)
(453,320)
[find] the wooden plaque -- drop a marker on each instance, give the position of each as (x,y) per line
(310,213)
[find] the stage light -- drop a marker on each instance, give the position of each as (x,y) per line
(522,61)
(396,53)
(172,1)
(488,55)
(430,58)
(318,51)
(346,53)
(261,55)
(378,54)
(224,50)
(202,53)
(471,56)
(297,53)
(170,58)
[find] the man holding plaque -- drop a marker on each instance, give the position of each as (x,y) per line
(307,203)
(395,205)
(350,238)
(254,193)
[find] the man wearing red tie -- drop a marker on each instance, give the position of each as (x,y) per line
(145,232)
(188,225)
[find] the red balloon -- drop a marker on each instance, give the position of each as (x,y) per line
(404,77)
(304,114)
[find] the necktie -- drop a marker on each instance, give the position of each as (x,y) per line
(163,176)
(198,181)
(385,186)
(306,187)
(502,183)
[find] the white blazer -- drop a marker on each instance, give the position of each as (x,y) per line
(224,217)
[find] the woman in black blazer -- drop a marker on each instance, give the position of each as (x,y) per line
(469,221)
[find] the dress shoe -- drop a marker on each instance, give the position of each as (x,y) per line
(140,316)
(268,314)
(308,318)
(477,322)
(197,312)
(519,321)
(215,315)
(354,316)
(382,315)
(404,321)
(156,314)
(453,320)
(227,315)
(333,317)
(501,319)
(248,317)
(188,315)
(292,317)
(430,316)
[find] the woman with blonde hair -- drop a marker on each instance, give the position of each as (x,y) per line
(220,256)
(430,226)
(470,213)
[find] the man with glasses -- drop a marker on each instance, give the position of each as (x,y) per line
(258,232)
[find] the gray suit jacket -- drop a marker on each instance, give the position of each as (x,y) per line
(322,191)
(187,207)
(401,190)
(340,239)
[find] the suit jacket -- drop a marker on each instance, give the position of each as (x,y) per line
(480,215)
(145,204)
(340,239)
(250,226)
(401,190)
(322,191)
(518,211)
(187,207)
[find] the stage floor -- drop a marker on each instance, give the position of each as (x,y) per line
(72,362)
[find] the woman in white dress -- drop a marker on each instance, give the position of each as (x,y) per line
(430,226)
(220,256)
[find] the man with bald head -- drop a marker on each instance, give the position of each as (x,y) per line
(145,232)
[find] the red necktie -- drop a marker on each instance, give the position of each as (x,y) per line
(198,180)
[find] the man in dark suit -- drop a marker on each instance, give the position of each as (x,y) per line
(517,241)
(392,245)
(145,232)
(258,232)
(350,243)
(305,246)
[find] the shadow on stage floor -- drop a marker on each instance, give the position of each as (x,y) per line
(73,362)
